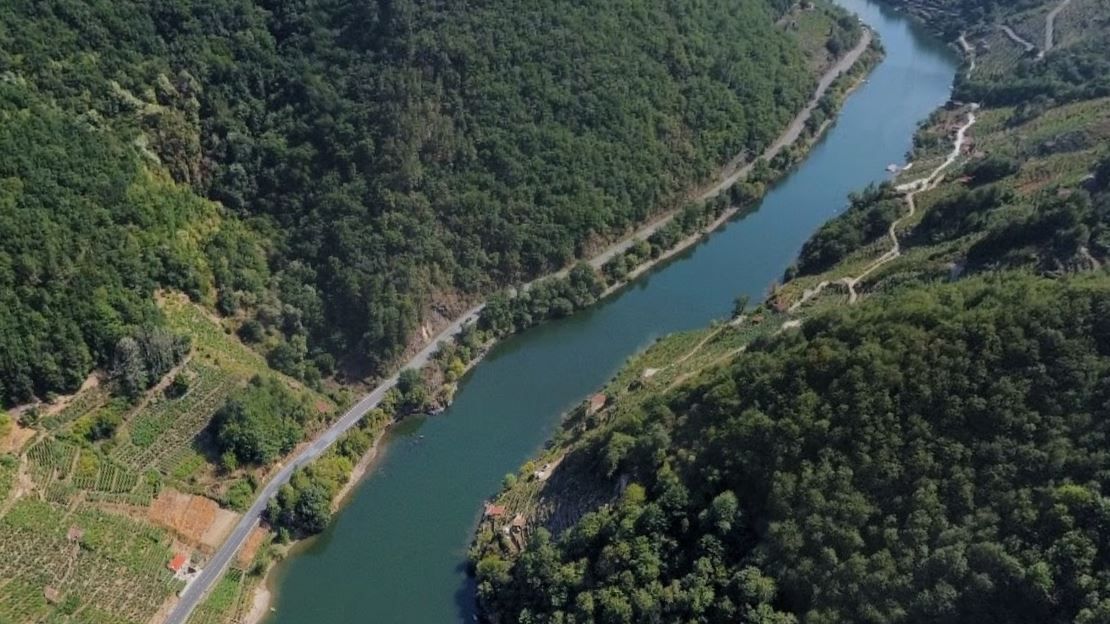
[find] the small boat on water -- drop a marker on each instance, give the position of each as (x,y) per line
(892,168)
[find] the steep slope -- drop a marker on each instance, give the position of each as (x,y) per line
(400,159)
(934,456)
(901,448)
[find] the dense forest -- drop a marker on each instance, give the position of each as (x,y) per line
(938,456)
(929,446)
(370,161)
(86,236)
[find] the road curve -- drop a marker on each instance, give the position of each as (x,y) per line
(196,590)
(910,191)
(192,595)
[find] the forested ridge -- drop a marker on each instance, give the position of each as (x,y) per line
(913,433)
(939,457)
(368,159)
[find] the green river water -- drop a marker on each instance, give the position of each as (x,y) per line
(396,553)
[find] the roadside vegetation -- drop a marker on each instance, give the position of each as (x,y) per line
(376,167)
(915,436)
(212,220)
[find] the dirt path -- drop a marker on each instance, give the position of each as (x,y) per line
(969,52)
(910,191)
(1018,39)
(1050,26)
(714,362)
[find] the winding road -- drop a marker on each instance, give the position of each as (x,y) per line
(196,590)
(910,191)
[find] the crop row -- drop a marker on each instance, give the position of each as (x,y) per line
(165,429)
(80,405)
(50,460)
(225,601)
(148,425)
(120,565)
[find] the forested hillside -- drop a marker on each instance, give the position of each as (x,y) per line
(375,164)
(911,429)
(941,457)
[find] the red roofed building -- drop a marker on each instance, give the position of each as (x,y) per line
(494,511)
(179,560)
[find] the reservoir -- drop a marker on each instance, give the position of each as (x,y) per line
(396,554)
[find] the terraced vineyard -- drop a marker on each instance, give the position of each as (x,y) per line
(1081,20)
(1003,57)
(56,564)
(159,433)
(8,467)
(66,555)
(84,403)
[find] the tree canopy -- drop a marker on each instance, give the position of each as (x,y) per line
(935,456)
(371,158)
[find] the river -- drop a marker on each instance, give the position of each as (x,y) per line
(396,553)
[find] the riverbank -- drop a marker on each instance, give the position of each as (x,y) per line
(794,132)
(400,544)
(848,66)
(859,70)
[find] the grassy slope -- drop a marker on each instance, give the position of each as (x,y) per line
(161,443)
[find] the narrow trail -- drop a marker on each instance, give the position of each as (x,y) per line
(1050,26)
(969,52)
(701,343)
(1049,32)
(1018,39)
(727,357)
(910,191)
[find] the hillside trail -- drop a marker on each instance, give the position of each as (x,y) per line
(1018,39)
(910,191)
(969,51)
(1049,32)
(1050,26)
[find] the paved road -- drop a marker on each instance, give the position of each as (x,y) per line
(732,174)
(196,590)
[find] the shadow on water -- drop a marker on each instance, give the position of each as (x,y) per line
(466,596)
